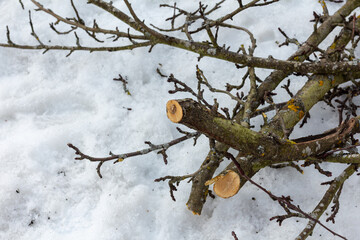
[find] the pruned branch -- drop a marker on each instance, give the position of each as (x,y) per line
(195,116)
(270,146)
(272,81)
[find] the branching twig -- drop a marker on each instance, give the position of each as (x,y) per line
(325,201)
(124,82)
(335,208)
(287,88)
(288,40)
(232,14)
(185,88)
(203,80)
(33,31)
(175,180)
(77,48)
(122,157)
(79,25)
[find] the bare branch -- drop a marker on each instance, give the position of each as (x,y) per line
(257,149)
(125,82)
(122,157)
(10,43)
(206,50)
(82,26)
(230,15)
(77,48)
(185,88)
(22,5)
(326,200)
(203,80)
(33,31)
(284,201)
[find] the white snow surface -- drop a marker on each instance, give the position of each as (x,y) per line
(47,101)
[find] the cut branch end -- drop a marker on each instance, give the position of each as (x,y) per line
(174,111)
(227,185)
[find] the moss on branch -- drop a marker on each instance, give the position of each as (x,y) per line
(215,126)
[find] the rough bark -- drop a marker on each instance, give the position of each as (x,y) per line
(195,203)
(313,91)
(215,126)
(266,148)
(259,150)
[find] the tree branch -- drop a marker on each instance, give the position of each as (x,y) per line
(82,26)
(221,53)
(285,202)
(272,81)
(77,48)
(325,201)
(122,157)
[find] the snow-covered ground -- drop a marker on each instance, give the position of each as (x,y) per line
(47,101)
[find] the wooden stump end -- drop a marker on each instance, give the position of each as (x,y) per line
(174,111)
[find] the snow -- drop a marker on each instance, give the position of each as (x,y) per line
(49,100)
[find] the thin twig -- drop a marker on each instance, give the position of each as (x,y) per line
(79,25)
(22,5)
(33,31)
(325,201)
(203,80)
(122,157)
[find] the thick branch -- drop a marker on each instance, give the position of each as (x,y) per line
(274,79)
(313,91)
(304,96)
(295,109)
(199,190)
(267,63)
(268,149)
(313,145)
(346,159)
(215,126)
